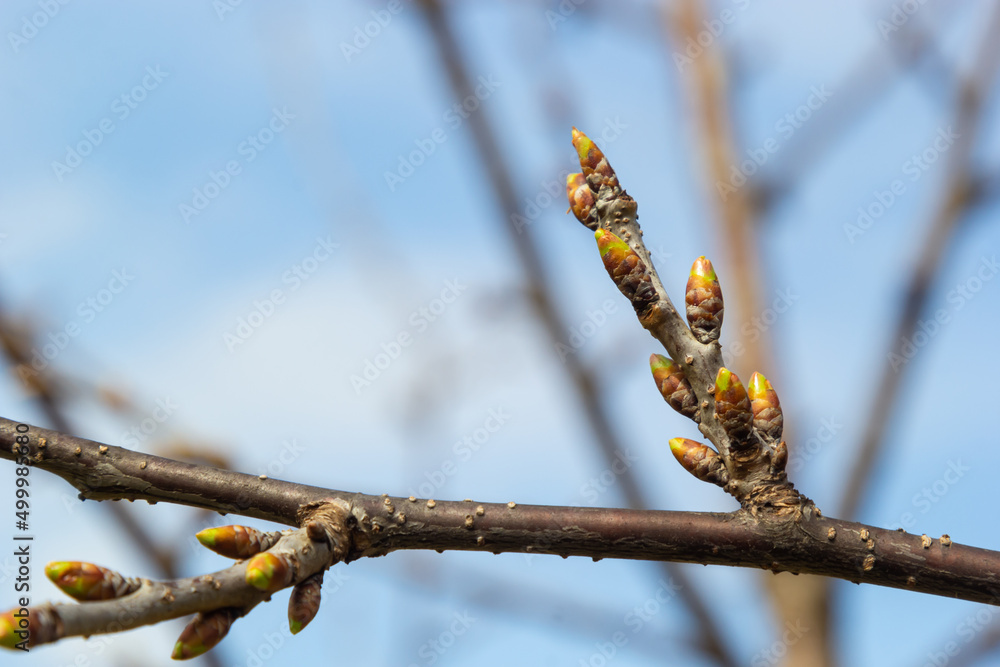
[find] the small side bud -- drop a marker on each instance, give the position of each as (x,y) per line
(767,417)
(779,457)
(628,271)
(268,572)
(732,408)
(203,632)
(595,166)
(304,602)
(704,302)
(87,582)
(238,542)
(674,387)
(581,200)
(12,633)
(700,460)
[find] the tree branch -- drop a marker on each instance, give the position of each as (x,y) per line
(379,525)
(545,307)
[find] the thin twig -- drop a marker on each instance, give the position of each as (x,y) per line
(794,599)
(544,306)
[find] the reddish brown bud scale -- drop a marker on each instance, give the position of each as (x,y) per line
(704,302)
(303,604)
(628,271)
(87,582)
(732,408)
(237,541)
(581,200)
(779,457)
(203,632)
(674,386)
(700,460)
(767,416)
(595,166)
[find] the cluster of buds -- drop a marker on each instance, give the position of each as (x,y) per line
(751,419)
(583,188)
(84,582)
(266,571)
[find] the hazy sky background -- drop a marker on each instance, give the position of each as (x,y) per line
(166,97)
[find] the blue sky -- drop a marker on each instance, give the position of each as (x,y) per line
(280,137)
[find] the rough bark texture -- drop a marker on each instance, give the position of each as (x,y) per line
(806,543)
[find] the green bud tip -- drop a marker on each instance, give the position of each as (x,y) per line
(725,380)
(582,144)
(56,569)
(606,242)
(208,537)
(260,571)
(8,636)
(759,386)
(680,446)
(185,651)
(574,181)
(659,362)
(702,268)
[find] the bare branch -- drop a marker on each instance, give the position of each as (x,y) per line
(381,524)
